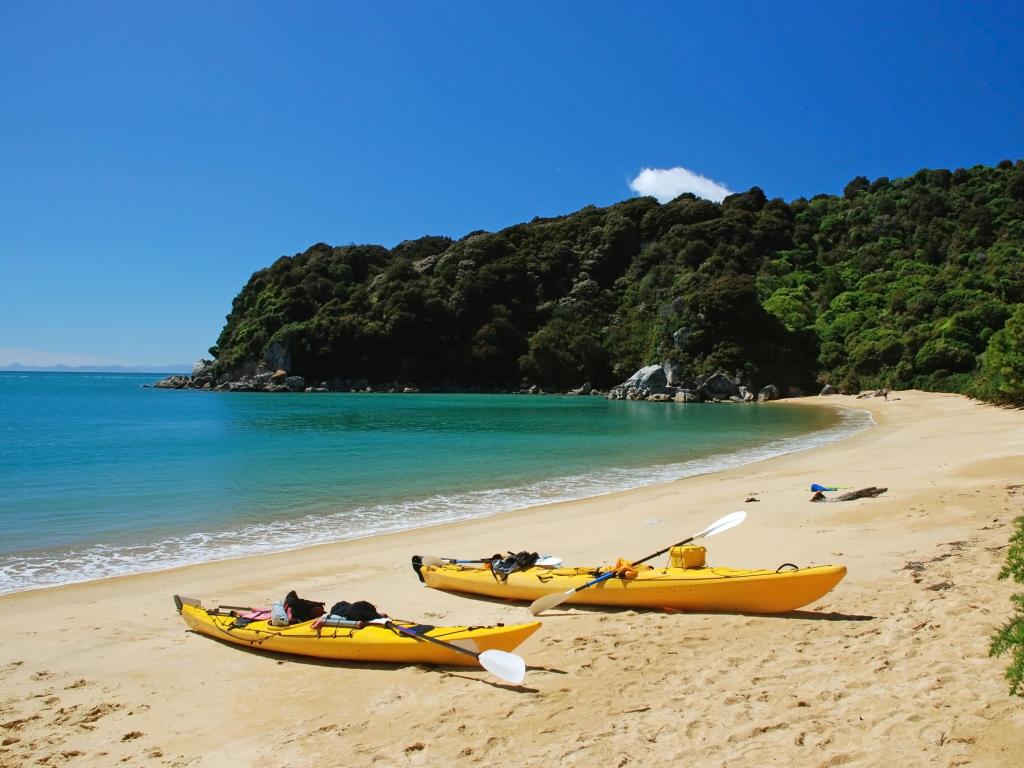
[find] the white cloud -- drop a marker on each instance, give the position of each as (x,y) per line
(668,183)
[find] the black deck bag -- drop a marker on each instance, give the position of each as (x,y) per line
(302,610)
(360,610)
(501,567)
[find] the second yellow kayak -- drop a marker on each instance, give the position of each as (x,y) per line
(706,589)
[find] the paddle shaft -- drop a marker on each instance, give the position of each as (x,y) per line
(442,643)
(542,604)
(606,576)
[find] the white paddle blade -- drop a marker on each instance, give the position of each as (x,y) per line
(549,561)
(431,560)
(548,602)
(507,666)
(720,526)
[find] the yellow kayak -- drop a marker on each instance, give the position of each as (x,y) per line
(371,642)
(703,589)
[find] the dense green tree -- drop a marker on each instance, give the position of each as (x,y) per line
(912,282)
(1002,370)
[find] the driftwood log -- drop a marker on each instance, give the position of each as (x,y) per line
(863,493)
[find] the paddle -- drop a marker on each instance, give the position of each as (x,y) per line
(548,561)
(547,602)
(438,561)
(507,666)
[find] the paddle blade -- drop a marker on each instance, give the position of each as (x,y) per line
(431,560)
(507,666)
(548,602)
(722,525)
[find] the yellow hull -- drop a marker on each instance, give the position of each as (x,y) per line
(372,643)
(728,590)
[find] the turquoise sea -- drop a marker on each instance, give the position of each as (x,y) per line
(101,476)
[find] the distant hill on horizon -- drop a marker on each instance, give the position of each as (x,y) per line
(19,368)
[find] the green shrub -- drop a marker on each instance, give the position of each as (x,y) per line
(1010,638)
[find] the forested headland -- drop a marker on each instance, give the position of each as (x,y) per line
(914,282)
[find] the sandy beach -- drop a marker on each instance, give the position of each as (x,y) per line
(891,667)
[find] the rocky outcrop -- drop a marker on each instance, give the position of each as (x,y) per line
(828,389)
(664,383)
(650,377)
(277,357)
(203,374)
(874,393)
(173,382)
(263,379)
(718,386)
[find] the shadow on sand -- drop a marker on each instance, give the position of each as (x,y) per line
(448,670)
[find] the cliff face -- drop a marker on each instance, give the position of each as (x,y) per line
(901,283)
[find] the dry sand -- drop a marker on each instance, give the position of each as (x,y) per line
(891,668)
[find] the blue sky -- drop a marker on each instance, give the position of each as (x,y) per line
(154,155)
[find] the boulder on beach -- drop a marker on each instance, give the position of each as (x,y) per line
(718,386)
(650,376)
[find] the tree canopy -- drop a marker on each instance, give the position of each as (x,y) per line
(913,282)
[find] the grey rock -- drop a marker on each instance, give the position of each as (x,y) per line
(262,380)
(649,376)
(277,356)
(660,398)
(425,265)
(172,382)
(718,386)
(680,336)
(295,383)
(828,389)
(770,392)
(202,369)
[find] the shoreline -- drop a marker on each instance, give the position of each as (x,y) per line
(104,670)
(577,487)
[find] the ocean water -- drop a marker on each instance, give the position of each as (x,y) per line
(101,476)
